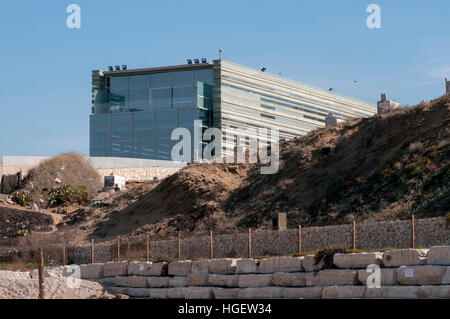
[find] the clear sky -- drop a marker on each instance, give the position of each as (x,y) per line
(45,72)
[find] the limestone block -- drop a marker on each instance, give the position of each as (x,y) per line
(176,293)
(159,293)
(284,279)
(158,282)
(197,280)
(260,293)
(343,292)
(223,266)
(281,264)
(121,281)
(91,271)
(177,281)
(112,269)
(434,292)
(246,266)
(139,268)
(139,292)
(224,293)
(302,293)
(446,278)
(118,290)
(359,260)
(156,268)
(420,275)
(393,292)
(138,282)
(199,293)
(388,276)
(200,266)
(180,268)
(407,257)
(439,255)
(255,280)
(309,263)
(332,277)
(223,280)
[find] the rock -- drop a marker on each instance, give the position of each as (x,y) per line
(303,293)
(309,263)
(359,260)
(58,272)
(446,278)
(224,293)
(255,280)
(260,293)
(400,257)
(139,292)
(180,268)
(138,282)
(343,292)
(246,266)
(197,280)
(177,282)
(117,182)
(158,282)
(223,280)
(156,269)
(283,279)
(420,275)
(223,266)
(176,293)
(112,269)
(91,271)
(434,292)
(118,290)
(121,281)
(281,264)
(393,292)
(388,276)
(200,266)
(14,275)
(439,255)
(199,293)
(139,268)
(332,277)
(159,293)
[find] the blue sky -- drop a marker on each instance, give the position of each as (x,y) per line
(45,75)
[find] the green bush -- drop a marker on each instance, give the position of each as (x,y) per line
(68,194)
(23,198)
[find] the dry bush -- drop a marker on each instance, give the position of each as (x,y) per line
(70,169)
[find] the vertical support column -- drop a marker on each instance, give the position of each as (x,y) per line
(118,248)
(249,243)
(92,251)
(211,249)
(41,273)
(354,235)
(179,245)
(299,239)
(413,235)
(147,258)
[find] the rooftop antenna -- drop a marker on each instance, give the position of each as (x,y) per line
(220,54)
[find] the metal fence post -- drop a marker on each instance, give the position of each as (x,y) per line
(41,274)
(413,235)
(118,248)
(211,249)
(64,255)
(249,243)
(299,239)
(179,245)
(92,251)
(354,235)
(148,248)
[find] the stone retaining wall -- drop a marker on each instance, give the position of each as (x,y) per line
(406,273)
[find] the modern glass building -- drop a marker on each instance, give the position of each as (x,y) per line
(134,111)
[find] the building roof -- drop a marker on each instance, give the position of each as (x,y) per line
(183,67)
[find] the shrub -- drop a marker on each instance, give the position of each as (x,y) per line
(23,198)
(67,194)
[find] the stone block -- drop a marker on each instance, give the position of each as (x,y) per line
(281,264)
(261,293)
(14,275)
(404,257)
(115,181)
(388,276)
(224,293)
(139,268)
(180,268)
(223,266)
(113,269)
(156,269)
(176,293)
(284,279)
(228,281)
(91,271)
(302,293)
(139,292)
(159,293)
(246,266)
(439,255)
(138,282)
(393,292)
(359,260)
(117,290)
(420,275)
(200,266)
(121,281)
(434,292)
(446,278)
(199,293)
(255,280)
(343,292)
(177,282)
(158,282)
(197,280)
(332,277)
(309,263)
